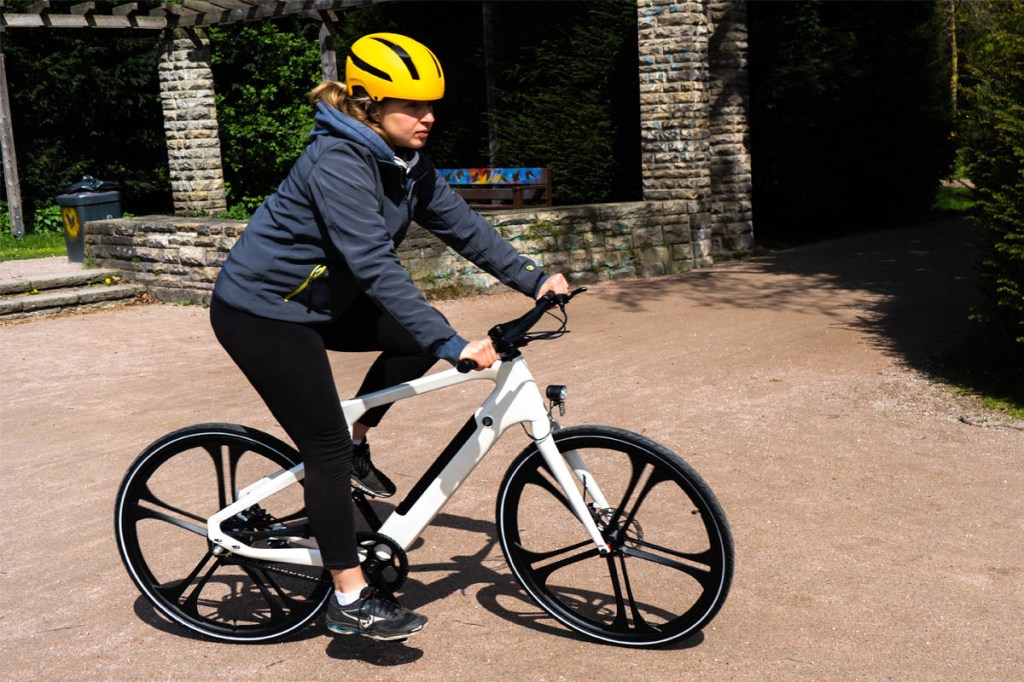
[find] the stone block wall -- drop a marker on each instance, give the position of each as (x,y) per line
(178,259)
(588,244)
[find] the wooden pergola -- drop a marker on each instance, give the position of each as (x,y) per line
(152,15)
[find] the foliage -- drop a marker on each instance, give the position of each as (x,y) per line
(48,219)
(568,97)
(846,96)
(992,132)
(87,102)
(262,75)
(264,72)
(953,199)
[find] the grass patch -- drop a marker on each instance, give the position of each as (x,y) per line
(982,368)
(954,199)
(32,245)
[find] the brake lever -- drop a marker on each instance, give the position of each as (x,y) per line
(562,299)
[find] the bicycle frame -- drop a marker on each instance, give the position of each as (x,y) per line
(514,400)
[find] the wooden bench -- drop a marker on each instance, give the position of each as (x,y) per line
(500,188)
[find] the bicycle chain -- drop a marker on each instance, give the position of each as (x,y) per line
(273,568)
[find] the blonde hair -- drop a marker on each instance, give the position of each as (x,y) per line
(335,94)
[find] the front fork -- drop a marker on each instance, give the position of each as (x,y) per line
(559,464)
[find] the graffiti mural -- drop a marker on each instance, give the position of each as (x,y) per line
(492,176)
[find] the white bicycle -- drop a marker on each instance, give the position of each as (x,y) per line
(610,533)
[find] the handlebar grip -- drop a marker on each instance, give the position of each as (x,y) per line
(466,365)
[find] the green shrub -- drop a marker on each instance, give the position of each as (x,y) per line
(48,219)
(263,73)
(992,132)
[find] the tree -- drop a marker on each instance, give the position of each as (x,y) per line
(992,131)
(569,97)
(87,103)
(262,75)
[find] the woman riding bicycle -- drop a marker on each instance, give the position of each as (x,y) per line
(316,270)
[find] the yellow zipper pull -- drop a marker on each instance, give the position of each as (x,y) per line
(316,273)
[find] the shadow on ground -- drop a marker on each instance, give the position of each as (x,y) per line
(923,280)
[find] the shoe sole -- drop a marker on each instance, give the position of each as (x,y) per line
(340,630)
(356,483)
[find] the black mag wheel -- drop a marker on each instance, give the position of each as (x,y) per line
(671,562)
(160,523)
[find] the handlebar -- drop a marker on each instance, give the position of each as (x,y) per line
(509,337)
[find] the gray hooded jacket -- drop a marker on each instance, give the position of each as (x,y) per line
(330,232)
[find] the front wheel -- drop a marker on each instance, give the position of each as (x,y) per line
(671,560)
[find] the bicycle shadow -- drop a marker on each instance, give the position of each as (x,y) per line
(148,614)
(499,593)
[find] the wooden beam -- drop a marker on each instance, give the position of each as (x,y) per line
(187,13)
(104,21)
(283,8)
(328,57)
(7,151)
(65,21)
(21,20)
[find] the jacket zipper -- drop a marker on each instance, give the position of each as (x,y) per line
(317,272)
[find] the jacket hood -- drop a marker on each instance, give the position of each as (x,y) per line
(330,121)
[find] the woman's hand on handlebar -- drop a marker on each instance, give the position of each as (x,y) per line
(555,284)
(481,352)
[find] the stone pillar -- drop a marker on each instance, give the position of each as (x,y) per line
(693,119)
(190,122)
(731,216)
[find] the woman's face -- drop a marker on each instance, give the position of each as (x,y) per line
(407,122)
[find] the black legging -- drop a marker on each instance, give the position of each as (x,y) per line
(287,364)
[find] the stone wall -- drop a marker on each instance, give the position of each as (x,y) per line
(178,259)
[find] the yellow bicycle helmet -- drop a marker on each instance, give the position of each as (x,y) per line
(393,65)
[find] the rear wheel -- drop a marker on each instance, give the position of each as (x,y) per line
(671,559)
(160,523)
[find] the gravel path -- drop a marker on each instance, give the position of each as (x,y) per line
(877,515)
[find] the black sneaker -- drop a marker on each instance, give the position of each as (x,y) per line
(373,616)
(367,477)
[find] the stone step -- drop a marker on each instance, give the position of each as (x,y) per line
(66,299)
(15,285)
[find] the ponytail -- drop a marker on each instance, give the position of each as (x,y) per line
(357,105)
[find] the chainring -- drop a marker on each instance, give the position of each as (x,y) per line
(385,564)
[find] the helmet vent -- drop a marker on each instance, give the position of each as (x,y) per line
(369,68)
(404,56)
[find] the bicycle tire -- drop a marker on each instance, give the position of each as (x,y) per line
(162,505)
(671,564)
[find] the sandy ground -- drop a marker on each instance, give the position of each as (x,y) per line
(877,516)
